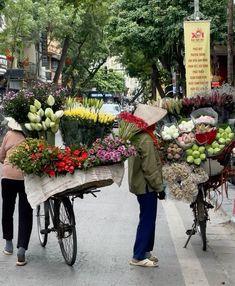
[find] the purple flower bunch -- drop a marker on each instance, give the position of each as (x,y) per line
(11,95)
(110,150)
(16,104)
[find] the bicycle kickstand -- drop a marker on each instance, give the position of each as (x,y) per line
(192,231)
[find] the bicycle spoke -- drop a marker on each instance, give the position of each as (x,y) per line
(67,232)
(42,223)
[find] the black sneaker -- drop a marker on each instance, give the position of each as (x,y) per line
(21,261)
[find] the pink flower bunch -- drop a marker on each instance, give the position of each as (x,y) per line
(109,150)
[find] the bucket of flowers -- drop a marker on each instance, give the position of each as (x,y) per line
(83,122)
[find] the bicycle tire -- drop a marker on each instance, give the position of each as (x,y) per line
(42,222)
(202,219)
(66,230)
(202,227)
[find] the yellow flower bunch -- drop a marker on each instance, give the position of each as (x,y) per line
(83,124)
(105,118)
(88,114)
(81,113)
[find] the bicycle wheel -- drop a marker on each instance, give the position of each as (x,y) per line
(42,222)
(66,230)
(201,219)
(202,230)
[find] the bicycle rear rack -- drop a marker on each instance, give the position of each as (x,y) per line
(91,191)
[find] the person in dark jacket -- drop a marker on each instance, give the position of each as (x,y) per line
(146,182)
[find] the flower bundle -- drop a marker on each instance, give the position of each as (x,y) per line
(83,122)
(182,180)
(36,156)
(87,117)
(74,102)
(109,150)
(41,92)
(42,120)
(218,99)
(214,99)
(17,104)
(129,125)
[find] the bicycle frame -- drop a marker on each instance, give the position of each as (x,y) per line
(51,207)
(200,212)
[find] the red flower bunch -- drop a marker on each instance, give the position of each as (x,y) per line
(69,160)
(35,156)
(129,125)
(128,117)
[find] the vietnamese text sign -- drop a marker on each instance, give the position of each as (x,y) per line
(197,56)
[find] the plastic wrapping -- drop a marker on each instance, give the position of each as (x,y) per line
(184,145)
(205,115)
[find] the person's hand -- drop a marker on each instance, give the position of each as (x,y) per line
(161,195)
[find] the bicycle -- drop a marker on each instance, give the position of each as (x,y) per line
(200,209)
(56,214)
(200,205)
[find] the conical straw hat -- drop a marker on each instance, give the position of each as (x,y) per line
(150,114)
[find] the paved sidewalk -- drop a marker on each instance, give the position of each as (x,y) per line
(228,204)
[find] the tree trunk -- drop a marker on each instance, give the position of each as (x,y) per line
(62,60)
(156,83)
(230,41)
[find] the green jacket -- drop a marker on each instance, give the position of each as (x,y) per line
(145,168)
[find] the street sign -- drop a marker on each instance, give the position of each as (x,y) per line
(15,73)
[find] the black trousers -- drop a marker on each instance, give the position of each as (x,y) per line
(10,189)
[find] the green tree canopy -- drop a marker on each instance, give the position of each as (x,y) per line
(146,33)
(89,48)
(19,26)
(109,81)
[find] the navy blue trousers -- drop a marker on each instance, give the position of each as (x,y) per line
(10,189)
(145,234)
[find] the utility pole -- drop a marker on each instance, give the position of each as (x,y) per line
(196,10)
(230,42)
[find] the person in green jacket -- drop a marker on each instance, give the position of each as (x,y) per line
(146,182)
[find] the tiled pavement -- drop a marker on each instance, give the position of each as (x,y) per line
(228,203)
